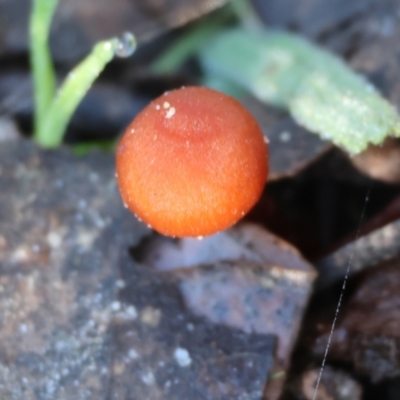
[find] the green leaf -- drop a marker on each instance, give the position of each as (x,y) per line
(319,90)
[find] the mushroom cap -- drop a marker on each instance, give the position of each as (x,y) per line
(192,163)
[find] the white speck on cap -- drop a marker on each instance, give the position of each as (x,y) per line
(170,113)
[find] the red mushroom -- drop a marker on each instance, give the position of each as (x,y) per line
(192,163)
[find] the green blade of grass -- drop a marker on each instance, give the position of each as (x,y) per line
(44,81)
(72,92)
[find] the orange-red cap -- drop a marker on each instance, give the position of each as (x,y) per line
(192,163)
